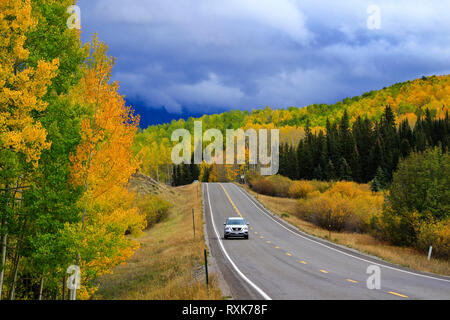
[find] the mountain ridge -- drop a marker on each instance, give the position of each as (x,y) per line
(411,97)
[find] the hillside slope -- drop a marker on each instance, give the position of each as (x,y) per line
(410,98)
(169,265)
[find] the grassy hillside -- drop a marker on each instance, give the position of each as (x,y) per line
(169,262)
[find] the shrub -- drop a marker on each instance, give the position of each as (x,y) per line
(263,186)
(421,184)
(300,189)
(272,185)
(346,206)
(280,185)
(436,234)
(327,211)
(395,228)
(347,189)
(367,207)
(353,207)
(314,194)
(321,186)
(419,195)
(154,208)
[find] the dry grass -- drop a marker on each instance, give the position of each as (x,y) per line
(406,257)
(169,263)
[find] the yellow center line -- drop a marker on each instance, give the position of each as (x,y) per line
(303,262)
(231,201)
(268,241)
(261,237)
(256,232)
(397,294)
(323,271)
(350,280)
(288,254)
(277,247)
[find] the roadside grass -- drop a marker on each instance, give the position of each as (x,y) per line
(403,256)
(169,264)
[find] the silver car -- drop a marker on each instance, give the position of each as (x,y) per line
(235,227)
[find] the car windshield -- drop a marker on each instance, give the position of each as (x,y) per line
(238,222)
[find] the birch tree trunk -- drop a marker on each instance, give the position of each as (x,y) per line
(41,288)
(19,243)
(4,242)
(12,292)
(3,262)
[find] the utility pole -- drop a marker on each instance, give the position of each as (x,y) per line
(206,271)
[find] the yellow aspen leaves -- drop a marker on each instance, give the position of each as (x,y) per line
(21,87)
(102,166)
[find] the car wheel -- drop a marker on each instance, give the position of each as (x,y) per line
(246,237)
(225,237)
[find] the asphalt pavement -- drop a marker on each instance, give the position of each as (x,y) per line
(278,261)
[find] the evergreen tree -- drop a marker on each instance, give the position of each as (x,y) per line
(307,156)
(318,173)
(321,151)
(186,174)
(389,142)
(176,176)
(405,138)
(364,140)
(367,147)
(348,146)
(301,163)
(291,163)
(379,182)
(283,169)
(419,136)
(405,148)
(195,169)
(375,185)
(333,147)
(345,172)
(330,171)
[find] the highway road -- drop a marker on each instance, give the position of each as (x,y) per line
(280,262)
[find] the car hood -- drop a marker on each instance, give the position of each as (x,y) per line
(235,226)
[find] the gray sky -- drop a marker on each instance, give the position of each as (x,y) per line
(210,55)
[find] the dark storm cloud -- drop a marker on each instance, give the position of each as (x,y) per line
(207,55)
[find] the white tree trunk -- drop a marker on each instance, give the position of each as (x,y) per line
(3,262)
(41,288)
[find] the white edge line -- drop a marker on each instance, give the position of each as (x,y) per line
(260,291)
(337,250)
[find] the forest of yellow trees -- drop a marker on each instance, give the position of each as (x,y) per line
(408,100)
